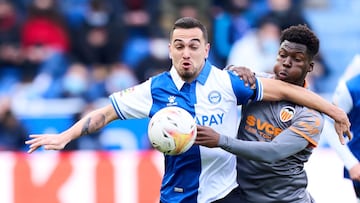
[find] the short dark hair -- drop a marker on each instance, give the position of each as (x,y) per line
(303,35)
(187,23)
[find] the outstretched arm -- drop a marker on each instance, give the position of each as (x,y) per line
(342,98)
(276,150)
(275,90)
(350,161)
(92,122)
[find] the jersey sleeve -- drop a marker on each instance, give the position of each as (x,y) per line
(303,132)
(264,151)
(342,97)
(308,124)
(245,94)
(342,151)
(134,102)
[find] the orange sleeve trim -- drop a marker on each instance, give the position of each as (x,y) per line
(309,139)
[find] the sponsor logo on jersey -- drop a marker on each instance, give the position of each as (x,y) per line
(287,113)
(214,97)
(172,101)
(265,129)
(209,120)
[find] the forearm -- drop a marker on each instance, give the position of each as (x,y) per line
(91,123)
(342,151)
(257,151)
(275,90)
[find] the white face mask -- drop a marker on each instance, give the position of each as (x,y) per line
(97,18)
(270,46)
(74,84)
(119,80)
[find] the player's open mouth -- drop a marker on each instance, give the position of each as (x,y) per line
(282,74)
(186,64)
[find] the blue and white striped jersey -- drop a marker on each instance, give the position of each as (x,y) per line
(201,174)
(347,97)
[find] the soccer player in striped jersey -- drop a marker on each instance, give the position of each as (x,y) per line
(211,95)
(275,139)
(347,97)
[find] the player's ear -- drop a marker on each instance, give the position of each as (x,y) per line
(311,66)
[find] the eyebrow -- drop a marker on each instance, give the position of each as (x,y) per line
(296,51)
(179,40)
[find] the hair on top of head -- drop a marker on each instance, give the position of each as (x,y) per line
(188,23)
(302,34)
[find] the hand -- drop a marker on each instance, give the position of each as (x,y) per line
(48,141)
(355,172)
(342,126)
(245,74)
(207,137)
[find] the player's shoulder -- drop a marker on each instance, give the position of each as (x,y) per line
(304,111)
(219,75)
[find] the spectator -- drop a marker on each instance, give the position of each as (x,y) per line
(174,9)
(11,57)
(75,82)
(98,40)
(229,26)
(259,43)
(287,12)
(120,77)
(45,41)
(141,19)
(12,133)
(157,61)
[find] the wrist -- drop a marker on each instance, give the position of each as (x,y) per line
(223,142)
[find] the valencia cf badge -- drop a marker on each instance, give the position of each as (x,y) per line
(287,113)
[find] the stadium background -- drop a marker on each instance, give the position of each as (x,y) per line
(116,164)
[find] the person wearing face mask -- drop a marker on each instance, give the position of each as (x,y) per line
(75,81)
(262,42)
(156,62)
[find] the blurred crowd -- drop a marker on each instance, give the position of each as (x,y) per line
(55,49)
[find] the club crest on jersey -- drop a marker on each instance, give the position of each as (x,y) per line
(287,113)
(214,97)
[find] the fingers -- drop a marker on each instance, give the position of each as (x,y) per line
(36,146)
(34,137)
(348,134)
(36,142)
(341,138)
(343,128)
(32,149)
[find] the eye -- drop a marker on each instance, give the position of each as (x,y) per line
(179,47)
(282,55)
(194,47)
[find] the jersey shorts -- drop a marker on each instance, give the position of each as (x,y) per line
(201,174)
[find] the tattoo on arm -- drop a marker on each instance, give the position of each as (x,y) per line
(85,129)
(93,124)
